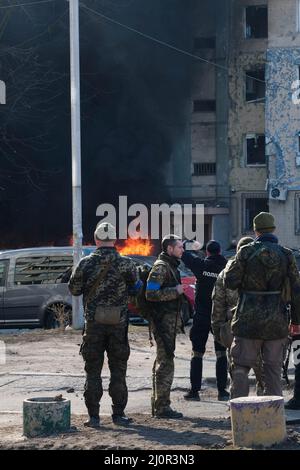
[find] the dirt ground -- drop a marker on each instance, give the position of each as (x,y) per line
(45,363)
(145,433)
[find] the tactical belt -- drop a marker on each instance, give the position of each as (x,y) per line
(257,292)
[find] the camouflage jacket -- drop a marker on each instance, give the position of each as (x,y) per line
(267,278)
(224,301)
(113,290)
(161,284)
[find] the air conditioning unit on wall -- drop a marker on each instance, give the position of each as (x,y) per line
(277,193)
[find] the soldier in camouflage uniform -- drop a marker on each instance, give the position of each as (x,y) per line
(105,278)
(164,289)
(263,272)
(224,301)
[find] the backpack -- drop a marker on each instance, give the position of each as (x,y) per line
(145,307)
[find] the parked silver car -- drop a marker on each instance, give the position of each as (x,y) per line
(33,287)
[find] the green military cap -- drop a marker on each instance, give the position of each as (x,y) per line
(264,222)
(105,231)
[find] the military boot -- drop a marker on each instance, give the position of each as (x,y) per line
(168,413)
(121,419)
(223,395)
(192,395)
(92,422)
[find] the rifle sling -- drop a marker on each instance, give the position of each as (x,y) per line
(98,280)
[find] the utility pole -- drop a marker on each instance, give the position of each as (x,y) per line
(2,92)
(77,310)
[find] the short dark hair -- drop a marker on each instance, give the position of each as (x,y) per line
(213,247)
(169,240)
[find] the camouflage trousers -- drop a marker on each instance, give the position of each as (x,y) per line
(163,369)
(112,339)
(257,369)
(244,353)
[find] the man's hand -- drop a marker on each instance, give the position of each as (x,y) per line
(179,289)
(192,245)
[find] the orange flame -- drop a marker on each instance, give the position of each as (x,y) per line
(136,247)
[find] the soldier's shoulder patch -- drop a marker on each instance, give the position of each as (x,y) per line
(158,272)
(159,267)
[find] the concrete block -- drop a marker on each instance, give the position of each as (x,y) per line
(46,415)
(258,421)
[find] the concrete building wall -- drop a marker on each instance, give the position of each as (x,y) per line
(209,129)
(220,136)
(203,126)
(284,25)
(245,118)
(283,119)
(278,118)
(238,41)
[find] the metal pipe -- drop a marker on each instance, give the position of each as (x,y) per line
(77,310)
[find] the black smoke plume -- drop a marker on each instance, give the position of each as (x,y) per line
(133,95)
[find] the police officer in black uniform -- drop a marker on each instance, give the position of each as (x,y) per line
(206,272)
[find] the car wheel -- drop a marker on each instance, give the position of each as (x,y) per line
(186,312)
(58,316)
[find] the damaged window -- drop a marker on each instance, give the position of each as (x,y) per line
(257,22)
(253,206)
(255,149)
(31,270)
(204,169)
(204,106)
(255,85)
(42,269)
(60,268)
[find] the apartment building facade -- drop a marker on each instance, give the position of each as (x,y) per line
(245,116)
